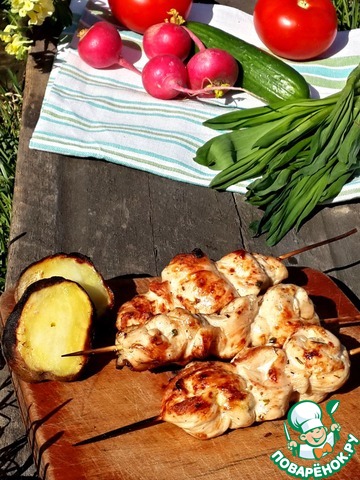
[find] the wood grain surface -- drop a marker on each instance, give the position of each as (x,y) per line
(57,415)
(132,223)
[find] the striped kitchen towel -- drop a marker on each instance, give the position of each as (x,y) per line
(106,114)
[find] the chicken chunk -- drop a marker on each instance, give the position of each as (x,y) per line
(141,308)
(283,309)
(179,336)
(173,338)
(196,284)
(317,363)
(206,399)
(251,273)
(234,324)
(263,368)
(274,268)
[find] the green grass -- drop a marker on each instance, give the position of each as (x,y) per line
(10,113)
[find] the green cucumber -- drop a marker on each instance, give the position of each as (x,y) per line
(262,74)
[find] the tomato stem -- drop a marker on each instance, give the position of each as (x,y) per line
(303,4)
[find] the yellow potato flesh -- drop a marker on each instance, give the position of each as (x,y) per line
(55,320)
(70,268)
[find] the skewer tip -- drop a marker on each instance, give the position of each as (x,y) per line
(92,351)
(342,321)
(354,351)
(319,244)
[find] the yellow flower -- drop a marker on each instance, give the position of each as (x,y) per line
(6,34)
(16,43)
(23,15)
(36,10)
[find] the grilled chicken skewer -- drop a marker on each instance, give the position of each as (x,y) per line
(220,294)
(202,286)
(245,321)
(179,337)
(206,399)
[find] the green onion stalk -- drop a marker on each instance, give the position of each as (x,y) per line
(298,154)
(348,14)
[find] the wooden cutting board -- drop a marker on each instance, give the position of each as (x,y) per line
(57,415)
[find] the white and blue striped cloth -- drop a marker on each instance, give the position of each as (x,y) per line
(106,114)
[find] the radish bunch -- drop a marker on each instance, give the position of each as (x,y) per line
(210,72)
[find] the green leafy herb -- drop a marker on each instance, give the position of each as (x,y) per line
(300,153)
(348,14)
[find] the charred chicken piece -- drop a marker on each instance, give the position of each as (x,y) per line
(139,309)
(318,363)
(196,284)
(206,399)
(263,369)
(283,309)
(201,286)
(180,337)
(177,337)
(233,323)
(251,273)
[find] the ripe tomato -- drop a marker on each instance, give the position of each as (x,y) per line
(296,29)
(138,15)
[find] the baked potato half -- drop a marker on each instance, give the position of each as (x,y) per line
(72,266)
(54,316)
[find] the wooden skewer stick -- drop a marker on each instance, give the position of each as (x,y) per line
(315,245)
(354,351)
(341,321)
(92,351)
(344,320)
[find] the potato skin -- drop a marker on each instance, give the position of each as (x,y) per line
(72,266)
(11,342)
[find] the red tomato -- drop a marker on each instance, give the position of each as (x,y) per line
(138,15)
(296,29)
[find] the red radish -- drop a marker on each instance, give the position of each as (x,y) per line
(213,67)
(100,46)
(166,39)
(166,77)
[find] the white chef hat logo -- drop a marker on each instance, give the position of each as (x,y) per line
(305,416)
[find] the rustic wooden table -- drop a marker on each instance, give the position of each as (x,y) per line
(132,223)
